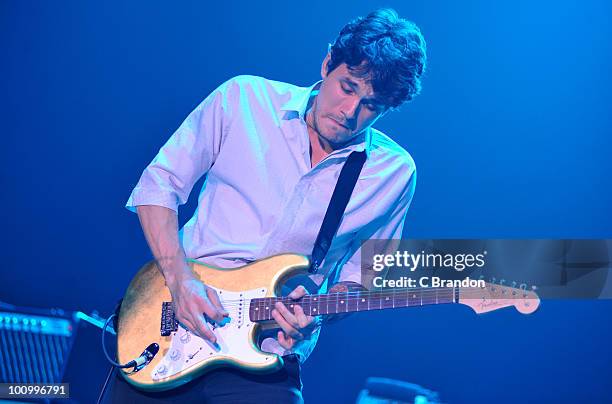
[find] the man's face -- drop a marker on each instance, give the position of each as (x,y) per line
(345,106)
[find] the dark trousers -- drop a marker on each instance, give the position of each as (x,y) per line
(223,385)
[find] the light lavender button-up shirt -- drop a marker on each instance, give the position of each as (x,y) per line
(261,195)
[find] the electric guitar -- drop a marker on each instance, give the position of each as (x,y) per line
(248,293)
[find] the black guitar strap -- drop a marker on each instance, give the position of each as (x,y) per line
(335,210)
(337,205)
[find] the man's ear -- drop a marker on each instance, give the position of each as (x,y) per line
(324,65)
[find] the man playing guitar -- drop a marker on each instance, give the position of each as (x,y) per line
(271,153)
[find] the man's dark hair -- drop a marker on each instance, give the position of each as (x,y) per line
(385,50)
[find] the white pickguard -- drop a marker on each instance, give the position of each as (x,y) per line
(187,349)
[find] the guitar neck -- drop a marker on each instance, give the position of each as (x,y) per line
(260,309)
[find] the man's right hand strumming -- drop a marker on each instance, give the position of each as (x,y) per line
(193,300)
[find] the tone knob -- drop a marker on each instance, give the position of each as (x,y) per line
(185,338)
(175,355)
(161,369)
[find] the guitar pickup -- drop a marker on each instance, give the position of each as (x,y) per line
(169,324)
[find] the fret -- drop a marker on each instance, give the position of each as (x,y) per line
(305,303)
(403,299)
(361,301)
(429,297)
(268,305)
(337,297)
(352,302)
(316,305)
(289,303)
(323,305)
(374,303)
(255,309)
(262,304)
(331,304)
(414,297)
(342,302)
(376,300)
(395,299)
(386,300)
(260,309)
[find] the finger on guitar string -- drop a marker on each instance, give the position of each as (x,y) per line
(302,319)
(297,319)
(298,293)
(192,302)
(188,325)
(219,313)
(203,329)
(196,325)
(288,328)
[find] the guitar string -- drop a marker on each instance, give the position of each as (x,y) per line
(463,290)
(426,298)
(422,302)
(350,297)
(464,294)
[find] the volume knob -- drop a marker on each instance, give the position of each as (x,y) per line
(161,369)
(175,355)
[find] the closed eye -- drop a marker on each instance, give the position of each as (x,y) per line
(347,90)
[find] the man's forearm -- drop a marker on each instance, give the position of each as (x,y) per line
(160,227)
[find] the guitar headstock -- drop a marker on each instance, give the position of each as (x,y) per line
(496,296)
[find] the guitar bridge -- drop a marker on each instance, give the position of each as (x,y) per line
(169,324)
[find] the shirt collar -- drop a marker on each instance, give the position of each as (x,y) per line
(298,102)
(299,97)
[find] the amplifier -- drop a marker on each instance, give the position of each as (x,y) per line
(34,344)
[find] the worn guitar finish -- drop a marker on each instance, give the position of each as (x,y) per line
(141,315)
(248,293)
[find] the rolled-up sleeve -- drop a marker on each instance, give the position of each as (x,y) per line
(188,154)
(387,230)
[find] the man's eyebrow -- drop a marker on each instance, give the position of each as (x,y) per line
(350,82)
(373,99)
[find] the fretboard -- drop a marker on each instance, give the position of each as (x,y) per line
(260,309)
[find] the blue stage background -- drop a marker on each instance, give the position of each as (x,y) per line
(511,137)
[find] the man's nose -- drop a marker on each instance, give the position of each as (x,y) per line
(349,109)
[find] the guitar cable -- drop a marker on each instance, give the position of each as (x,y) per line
(108,376)
(144,359)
